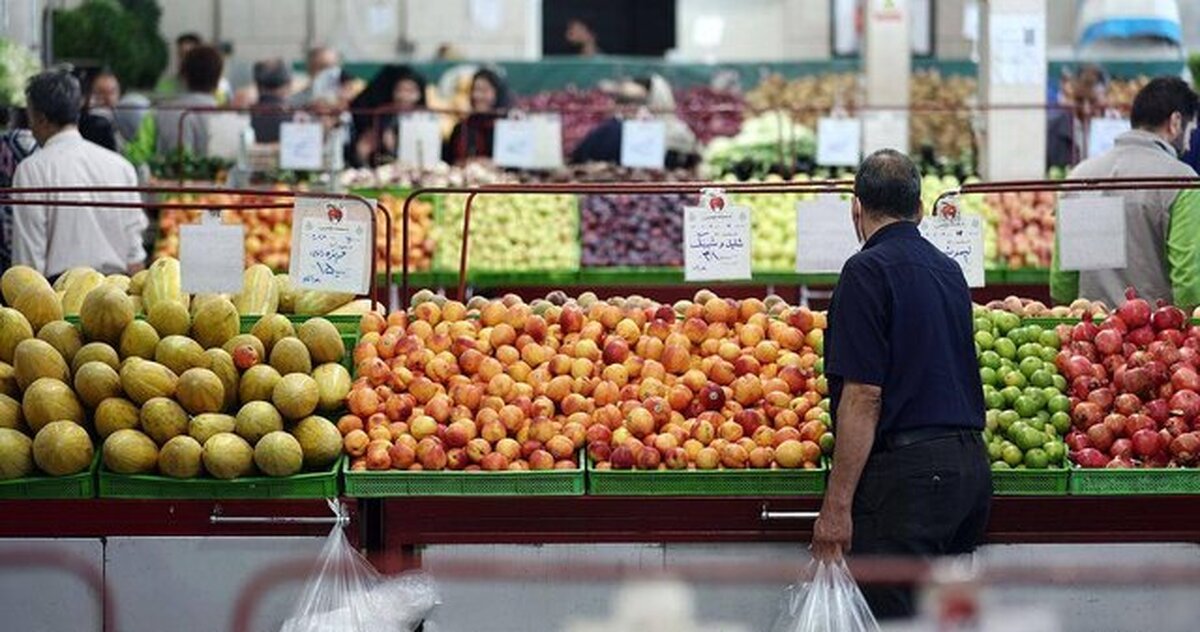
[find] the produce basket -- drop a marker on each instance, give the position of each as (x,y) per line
(322,484)
(378,484)
(1134,481)
(42,487)
(778,482)
(1048,482)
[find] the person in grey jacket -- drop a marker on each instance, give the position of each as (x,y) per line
(1162,227)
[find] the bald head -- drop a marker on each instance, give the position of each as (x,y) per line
(888,184)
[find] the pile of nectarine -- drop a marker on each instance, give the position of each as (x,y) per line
(500,384)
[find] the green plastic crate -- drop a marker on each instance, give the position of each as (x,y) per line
(378,484)
(1134,481)
(1049,482)
(323,484)
(42,487)
(707,482)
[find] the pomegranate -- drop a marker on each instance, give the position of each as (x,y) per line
(1173,336)
(1160,460)
(1146,443)
(1083,385)
(1121,448)
(1102,397)
(1177,426)
(1113,363)
(1100,373)
(1114,324)
(1086,414)
(1077,440)
(1109,342)
(1158,410)
(1134,311)
(1089,457)
(1189,355)
(1167,317)
(1127,403)
(1135,423)
(1185,448)
(1085,349)
(1185,378)
(1102,438)
(1142,336)
(1085,330)
(1120,462)
(1165,391)
(1115,424)
(1164,352)
(1158,373)
(1185,403)
(1137,381)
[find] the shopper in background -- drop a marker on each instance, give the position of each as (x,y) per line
(96,126)
(323,65)
(472,137)
(910,471)
(274,83)
(1162,227)
(16,143)
(172,85)
(201,74)
(51,238)
(650,97)
(125,110)
(1080,98)
(395,90)
(581,38)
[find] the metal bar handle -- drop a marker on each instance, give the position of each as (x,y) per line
(340,517)
(768,515)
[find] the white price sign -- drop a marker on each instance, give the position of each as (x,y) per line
(960,238)
(1018,49)
(420,141)
(514,144)
(825,236)
(548,134)
(301,146)
(211,256)
(332,245)
(643,144)
(1103,132)
(716,241)
(1091,233)
(839,142)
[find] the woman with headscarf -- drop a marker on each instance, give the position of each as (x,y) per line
(472,137)
(395,90)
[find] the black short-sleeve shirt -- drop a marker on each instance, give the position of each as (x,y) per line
(901,319)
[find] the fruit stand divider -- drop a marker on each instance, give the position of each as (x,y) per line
(639,188)
(20,197)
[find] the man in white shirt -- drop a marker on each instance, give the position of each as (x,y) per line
(51,238)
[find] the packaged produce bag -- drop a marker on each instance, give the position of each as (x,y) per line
(346,594)
(829,601)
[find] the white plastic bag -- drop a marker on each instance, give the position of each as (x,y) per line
(830,602)
(346,594)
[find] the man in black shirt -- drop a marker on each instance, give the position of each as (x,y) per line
(910,472)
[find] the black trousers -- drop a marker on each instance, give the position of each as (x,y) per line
(927,499)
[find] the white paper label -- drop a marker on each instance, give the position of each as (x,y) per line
(1102,132)
(716,243)
(961,239)
(301,146)
(884,129)
(332,245)
(1018,49)
(211,257)
(839,142)
(643,144)
(825,236)
(1091,233)
(514,144)
(548,132)
(420,141)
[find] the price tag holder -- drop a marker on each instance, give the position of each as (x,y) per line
(839,142)
(825,236)
(716,240)
(643,144)
(1103,132)
(548,132)
(301,146)
(332,245)
(514,144)
(959,237)
(211,255)
(420,141)
(1091,232)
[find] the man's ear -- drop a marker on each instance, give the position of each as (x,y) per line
(1175,124)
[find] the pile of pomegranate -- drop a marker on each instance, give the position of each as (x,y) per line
(1134,387)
